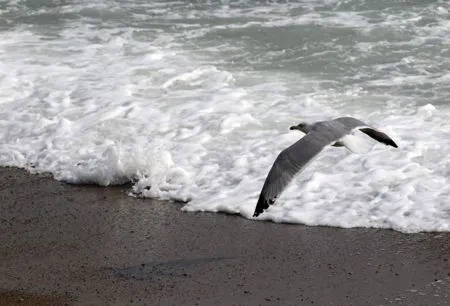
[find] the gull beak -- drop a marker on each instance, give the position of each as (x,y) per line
(294,127)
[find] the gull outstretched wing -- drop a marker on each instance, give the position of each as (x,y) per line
(290,162)
(351,123)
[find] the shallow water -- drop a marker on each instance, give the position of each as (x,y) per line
(193,101)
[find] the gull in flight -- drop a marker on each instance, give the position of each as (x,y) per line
(292,160)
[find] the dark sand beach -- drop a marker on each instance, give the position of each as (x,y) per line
(89,245)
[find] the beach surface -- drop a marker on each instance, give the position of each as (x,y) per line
(88,245)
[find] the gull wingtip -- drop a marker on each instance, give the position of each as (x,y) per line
(257,212)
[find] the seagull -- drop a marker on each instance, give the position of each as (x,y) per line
(292,160)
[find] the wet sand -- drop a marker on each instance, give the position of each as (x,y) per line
(18,298)
(90,245)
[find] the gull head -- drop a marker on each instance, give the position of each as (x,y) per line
(303,126)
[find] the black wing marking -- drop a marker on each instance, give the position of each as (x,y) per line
(379,136)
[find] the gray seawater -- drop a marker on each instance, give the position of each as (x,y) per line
(194,98)
(343,42)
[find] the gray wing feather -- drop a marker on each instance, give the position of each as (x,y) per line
(289,163)
(351,123)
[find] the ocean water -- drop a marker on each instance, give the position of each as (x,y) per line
(192,101)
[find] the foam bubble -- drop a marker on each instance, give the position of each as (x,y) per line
(426,112)
(236,122)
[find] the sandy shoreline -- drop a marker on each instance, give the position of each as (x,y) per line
(87,245)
